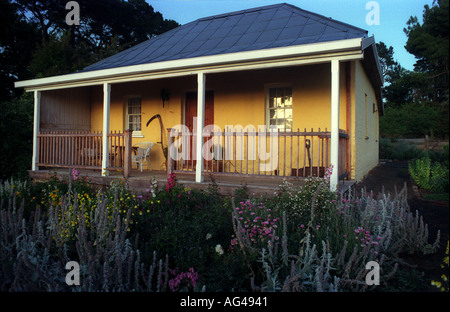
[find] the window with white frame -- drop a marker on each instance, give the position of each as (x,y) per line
(133,116)
(279,108)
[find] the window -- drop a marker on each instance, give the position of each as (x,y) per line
(279,108)
(133,121)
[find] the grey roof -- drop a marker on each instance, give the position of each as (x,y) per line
(264,27)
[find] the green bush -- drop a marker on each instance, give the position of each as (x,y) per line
(399,150)
(408,121)
(429,175)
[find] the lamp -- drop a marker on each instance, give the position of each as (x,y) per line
(165,96)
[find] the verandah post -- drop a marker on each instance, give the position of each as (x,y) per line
(127,153)
(200,124)
(105,143)
(334,179)
(169,157)
(36,124)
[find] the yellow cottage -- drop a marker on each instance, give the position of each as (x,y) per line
(278,91)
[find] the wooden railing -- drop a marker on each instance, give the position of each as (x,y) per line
(83,150)
(300,153)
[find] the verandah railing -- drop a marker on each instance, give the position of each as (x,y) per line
(84,150)
(300,153)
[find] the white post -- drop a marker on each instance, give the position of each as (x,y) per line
(201,80)
(36,126)
(334,179)
(106,109)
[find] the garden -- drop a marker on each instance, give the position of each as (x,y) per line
(301,238)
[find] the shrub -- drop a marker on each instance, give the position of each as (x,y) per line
(428,175)
(333,256)
(399,150)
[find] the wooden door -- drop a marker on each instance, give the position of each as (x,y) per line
(191,112)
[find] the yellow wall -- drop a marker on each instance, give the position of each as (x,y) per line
(240,99)
(365,140)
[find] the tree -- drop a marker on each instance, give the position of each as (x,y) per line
(18,40)
(417,101)
(35,41)
(106,27)
(401,85)
(428,42)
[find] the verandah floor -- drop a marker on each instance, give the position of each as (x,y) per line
(139,181)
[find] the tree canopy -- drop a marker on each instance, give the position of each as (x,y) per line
(420,95)
(36,41)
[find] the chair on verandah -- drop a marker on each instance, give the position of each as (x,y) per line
(143,150)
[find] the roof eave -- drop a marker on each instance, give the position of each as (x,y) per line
(355,44)
(373,66)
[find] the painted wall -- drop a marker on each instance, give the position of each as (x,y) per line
(365,141)
(240,99)
(65,109)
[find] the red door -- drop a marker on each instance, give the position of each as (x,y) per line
(191,112)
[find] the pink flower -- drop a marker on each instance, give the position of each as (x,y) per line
(75,174)
(171,182)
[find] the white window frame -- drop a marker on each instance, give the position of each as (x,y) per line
(136,134)
(267,95)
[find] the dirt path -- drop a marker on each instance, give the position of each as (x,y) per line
(394,175)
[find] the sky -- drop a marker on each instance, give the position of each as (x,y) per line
(384,19)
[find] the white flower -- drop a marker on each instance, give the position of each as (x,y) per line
(208,236)
(219,249)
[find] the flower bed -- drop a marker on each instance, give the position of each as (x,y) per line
(302,238)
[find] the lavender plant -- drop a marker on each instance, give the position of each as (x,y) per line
(34,251)
(331,257)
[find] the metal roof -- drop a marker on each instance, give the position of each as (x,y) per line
(272,26)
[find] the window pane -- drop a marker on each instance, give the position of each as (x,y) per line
(289,124)
(288,113)
(280,113)
(272,113)
(271,102)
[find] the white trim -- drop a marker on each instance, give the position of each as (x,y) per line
(297,61)
(198,62)
(201,81)
(106,110)
(36,125)
(334,157)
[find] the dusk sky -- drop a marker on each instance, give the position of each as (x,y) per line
(393,15)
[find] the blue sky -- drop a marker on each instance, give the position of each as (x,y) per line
(393,15)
